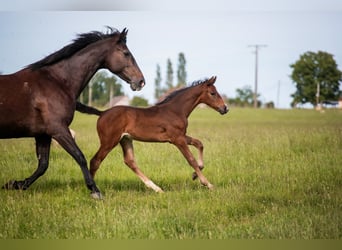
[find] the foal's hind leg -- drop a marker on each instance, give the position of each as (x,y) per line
(128,151)
(97,159)
(107,143)
(42,151)
(197,144)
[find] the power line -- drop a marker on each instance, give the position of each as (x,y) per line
(255,95)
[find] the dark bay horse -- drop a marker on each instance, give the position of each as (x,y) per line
(40,100)
(167,121)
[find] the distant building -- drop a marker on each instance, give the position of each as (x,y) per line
(118,100)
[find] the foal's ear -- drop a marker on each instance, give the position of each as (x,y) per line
(212,80)
(123,35)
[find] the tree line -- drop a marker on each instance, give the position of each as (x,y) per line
(315,75)
(101,89)
(163,87)
(103,86)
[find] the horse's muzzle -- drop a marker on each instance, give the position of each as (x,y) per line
(136,86)
(223,110)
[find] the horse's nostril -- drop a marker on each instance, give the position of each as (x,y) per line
(224,110)
(142,83)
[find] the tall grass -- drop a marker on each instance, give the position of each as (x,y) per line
(277,175)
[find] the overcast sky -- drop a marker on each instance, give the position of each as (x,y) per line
(214,38)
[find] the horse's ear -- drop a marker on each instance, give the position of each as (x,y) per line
(123,35)
(212,80)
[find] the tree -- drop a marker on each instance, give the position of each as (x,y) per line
(101,89)
(169,74)
(244,97)
(157,82)
(139,102)
(181,71)
(163,87)
(316,77)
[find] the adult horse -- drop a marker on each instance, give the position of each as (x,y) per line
(40,100)
(165,122)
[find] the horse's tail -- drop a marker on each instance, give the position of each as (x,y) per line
(80,107)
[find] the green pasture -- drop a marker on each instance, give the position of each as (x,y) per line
(277,175)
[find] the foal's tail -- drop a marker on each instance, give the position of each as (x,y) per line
(80,107)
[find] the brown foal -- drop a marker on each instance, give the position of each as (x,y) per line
(167,121)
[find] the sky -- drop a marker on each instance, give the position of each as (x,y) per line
(215,37)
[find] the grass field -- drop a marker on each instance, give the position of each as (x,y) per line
(277,175)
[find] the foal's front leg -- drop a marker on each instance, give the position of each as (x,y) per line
(197,144)
(182,145)
(127,148)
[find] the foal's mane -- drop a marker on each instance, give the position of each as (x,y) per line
(178,91)
(80,42)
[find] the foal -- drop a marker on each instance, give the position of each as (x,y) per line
(164,122)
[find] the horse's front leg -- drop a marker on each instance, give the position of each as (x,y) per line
(64,138)
(182,145)
(197,144)
(42,151)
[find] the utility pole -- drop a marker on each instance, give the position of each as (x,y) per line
(278,93)
(318,106)
(255,95)
(90,93)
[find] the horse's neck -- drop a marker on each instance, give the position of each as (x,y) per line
(80,68)
(186,102)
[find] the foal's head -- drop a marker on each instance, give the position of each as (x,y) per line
(121,62)
(211,97)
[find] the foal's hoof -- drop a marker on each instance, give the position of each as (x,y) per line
(96,196)
(14,185)
(160,191)
(194,176)
(210,186)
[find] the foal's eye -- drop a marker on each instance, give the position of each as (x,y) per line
(126,53)
(213,93)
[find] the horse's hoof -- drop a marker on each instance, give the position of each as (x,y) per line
(210,186)
(96,196)
(9,185)
(14,185)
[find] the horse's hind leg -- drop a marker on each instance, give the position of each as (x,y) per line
(197,144)
(65,139)
(42,151)
(128,151)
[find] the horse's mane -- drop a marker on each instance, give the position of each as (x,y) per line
(181,90)
(80,42)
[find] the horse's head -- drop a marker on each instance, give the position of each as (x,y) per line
(212,98)
(121,62)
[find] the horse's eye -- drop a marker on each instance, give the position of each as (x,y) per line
(213,93)
(126,53)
